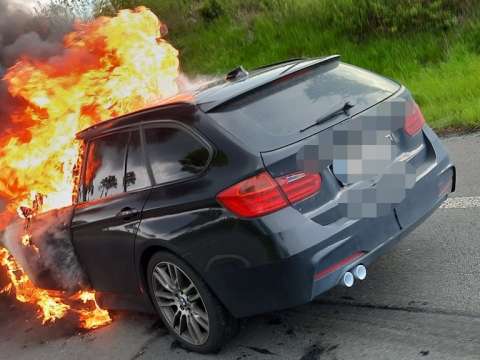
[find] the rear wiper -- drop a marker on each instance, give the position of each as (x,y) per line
(343,110)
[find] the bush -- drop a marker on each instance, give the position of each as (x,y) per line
(211,10)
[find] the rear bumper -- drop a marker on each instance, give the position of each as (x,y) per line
(309,248)
(290,282)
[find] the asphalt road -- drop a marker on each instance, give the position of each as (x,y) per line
(421,301)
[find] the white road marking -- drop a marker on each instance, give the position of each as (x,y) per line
(466,202)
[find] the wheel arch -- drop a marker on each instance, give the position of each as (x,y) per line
(145,257)
(150,251)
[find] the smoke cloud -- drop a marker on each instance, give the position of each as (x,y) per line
(189,84)
(24,33)
(54,265)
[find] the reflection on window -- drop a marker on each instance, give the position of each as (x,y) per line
(174,154)
(105,167)
(130,180)
(136,176)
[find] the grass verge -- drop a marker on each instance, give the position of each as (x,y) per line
(432,47)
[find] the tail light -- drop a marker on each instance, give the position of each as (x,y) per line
(414,121)
(261,194)
(299,186)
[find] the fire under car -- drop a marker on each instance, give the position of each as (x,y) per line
(264,191)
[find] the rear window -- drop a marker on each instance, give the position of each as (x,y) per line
(272,116)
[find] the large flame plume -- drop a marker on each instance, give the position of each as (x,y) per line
(108,67)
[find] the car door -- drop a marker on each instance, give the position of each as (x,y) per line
(180,199)
(114,187)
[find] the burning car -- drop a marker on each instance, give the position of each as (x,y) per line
(259,193)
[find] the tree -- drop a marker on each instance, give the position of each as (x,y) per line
(62,13)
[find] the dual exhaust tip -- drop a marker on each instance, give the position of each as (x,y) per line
(359,272)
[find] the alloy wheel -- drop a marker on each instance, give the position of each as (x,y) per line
(180,303)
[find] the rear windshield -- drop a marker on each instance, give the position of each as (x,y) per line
(272,116)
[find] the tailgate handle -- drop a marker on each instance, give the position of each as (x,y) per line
(127,213)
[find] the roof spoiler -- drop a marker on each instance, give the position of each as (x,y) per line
(254,85)
(280,63)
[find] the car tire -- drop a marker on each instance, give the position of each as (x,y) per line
(187,307)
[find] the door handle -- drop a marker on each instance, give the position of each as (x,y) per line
(127,213)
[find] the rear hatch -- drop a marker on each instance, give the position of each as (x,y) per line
(369,155)
(271,115)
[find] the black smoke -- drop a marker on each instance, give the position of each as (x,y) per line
(26,32)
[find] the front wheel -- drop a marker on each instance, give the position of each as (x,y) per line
(187,307)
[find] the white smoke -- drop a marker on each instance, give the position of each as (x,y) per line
(189,84)
(55,265)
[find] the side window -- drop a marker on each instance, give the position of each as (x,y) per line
(105,167)
(174,154)
(136,176)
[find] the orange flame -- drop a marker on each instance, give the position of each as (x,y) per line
(51,307)
(52,304)
(108,67)
(92,319)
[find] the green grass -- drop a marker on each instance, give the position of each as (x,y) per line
(433,49)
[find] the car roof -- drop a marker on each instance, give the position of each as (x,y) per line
(214,93)
(223,91)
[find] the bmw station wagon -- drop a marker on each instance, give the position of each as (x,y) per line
(263,192)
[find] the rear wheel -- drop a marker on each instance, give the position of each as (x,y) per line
(187,307)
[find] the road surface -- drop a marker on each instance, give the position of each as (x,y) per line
(421,301)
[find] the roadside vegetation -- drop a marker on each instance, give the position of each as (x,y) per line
(432,46)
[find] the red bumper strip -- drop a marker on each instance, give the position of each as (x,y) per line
(321,274)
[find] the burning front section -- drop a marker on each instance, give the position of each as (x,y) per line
(104,68)
(108,67)
(42,246)
(38,255)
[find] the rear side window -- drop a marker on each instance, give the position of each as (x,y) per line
(174,154)
(105,167)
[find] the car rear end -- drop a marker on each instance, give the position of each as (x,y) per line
(334,191)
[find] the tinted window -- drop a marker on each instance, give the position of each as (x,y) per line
(136,176)
(273,115)
(174,154)
(105,166)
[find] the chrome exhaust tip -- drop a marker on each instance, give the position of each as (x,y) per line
(348,279)
(360,272)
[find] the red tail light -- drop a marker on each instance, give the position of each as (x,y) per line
(414,121)
(256,196)
(261,194)
(299,186)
